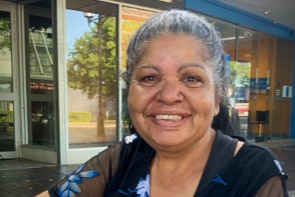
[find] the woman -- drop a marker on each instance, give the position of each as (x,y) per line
(176,80)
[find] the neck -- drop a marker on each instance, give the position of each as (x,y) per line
(179,173)
(195,155)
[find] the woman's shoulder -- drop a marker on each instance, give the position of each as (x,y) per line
(253,152)
(256,162)
(246,173)
(256,152)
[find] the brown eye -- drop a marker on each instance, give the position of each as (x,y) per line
(148,80)
(192,81)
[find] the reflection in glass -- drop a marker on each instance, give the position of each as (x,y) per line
(259,66)
(5,53)
(238,45)
(41,63)
(91,79)
(40,68)
(42,123)
(6,126)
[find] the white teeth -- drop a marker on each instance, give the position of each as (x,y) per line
(168,117)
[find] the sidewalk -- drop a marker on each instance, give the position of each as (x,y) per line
(30,180)
(285,150)
(23,178)
(287,157)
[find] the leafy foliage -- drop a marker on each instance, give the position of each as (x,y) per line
(83,64)
(78,117)
(240,73)
(5,34)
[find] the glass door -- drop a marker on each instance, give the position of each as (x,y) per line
(40,69)
(7,83)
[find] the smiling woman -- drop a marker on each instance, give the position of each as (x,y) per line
(176,89)
(170,88)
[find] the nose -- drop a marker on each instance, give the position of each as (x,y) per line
(169,93)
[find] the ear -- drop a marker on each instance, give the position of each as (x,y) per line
(217,105)
(216,108)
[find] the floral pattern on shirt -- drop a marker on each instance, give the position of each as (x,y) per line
(71,187)
(142,189)
(130,138)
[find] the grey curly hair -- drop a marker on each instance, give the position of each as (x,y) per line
(186,23)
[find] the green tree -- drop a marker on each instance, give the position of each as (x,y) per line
(92,65)
(83,64)
(240,73)
(5,34)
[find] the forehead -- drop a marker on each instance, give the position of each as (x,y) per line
(178,47)
(173,36)
(173,52)
(175,42)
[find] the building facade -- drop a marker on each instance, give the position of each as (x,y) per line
(62,99)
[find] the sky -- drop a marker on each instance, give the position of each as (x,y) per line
(76,25)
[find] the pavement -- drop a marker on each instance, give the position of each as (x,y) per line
(286,155)
(23,178)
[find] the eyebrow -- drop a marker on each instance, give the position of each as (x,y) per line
(146,66)
(180,68)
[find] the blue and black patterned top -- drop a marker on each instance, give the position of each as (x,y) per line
(124,170)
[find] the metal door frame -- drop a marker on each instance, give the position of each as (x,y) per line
(15,94)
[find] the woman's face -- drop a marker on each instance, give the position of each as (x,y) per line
(172,93)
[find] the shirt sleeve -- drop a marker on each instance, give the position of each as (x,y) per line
(272,188)
(91,178)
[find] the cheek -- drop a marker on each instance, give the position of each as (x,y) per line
(136,99)
(131,102)
(206,102)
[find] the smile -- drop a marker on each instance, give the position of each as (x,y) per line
(168,117)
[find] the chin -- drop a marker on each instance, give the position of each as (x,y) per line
(165,143)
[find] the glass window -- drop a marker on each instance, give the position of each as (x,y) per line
(7,134)
(238,47)
(155,4)
(91,70)
(260,81)
(5,53)
(7,88)
(40,74)
(42,123)
(6,107)
(279,79)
